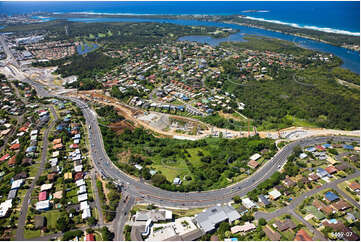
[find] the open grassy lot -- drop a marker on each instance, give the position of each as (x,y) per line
(29,234)
(51,217)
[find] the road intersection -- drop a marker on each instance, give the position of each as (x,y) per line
(155,195)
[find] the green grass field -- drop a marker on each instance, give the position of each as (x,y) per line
(29,234)
(51,217)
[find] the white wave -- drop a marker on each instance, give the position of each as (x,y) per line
(327,30)
(120,14)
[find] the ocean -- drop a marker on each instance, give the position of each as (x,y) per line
(339,17)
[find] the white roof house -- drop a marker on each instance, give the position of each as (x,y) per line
(86,213)
(139,167)
(78,168)
(303,155)
(82,189)
(248,203)
(177,181)
(5,206)
(53,161)
(46,187)
(274,194)
(80,182)
(84,205)
(17,184)
(42,205)
(82,197)
(244,228)
(55,154)
(34,132)
(255,157)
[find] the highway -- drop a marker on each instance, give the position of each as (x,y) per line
(158,196)
(155,195)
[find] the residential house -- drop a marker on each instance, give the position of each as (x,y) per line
(68,176)
(21,175)
(271,234)
(274,194)
(322,207)
(12,194)
(43,196)
(302,235)
(321,172)
(331,197)
(15,147)
(341,167)
(5,208)
(355,187)
(341,205)
(289,183)
(337,226)
(17,184)
(90,237)
(313,177)
(12,161)
(242,210)
(252,164)
(255,157)
(331,170)
(248,203)
(177,181)
(42,205)
(284,225)
(247,227)
(262,199)
(82,197)
(303,155)
(46,187)
(58,195)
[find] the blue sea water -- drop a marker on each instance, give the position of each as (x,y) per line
(331,16)
(342,15)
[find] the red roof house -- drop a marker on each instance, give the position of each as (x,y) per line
(331,169)
(42,196)
(5,157)
(89,237)
(12,161)
(302,236)
(78,176)
(15,147)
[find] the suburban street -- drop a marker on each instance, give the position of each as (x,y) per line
(155,195)
(27,198)
(291,208)
(96,198)
(121,217)
(141,190)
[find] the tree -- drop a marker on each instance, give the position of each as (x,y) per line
(262,222)
(227,234)
(106,234)
(159,179)
(63,223)
(237,199)
(92,221)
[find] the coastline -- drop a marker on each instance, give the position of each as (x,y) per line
(206,18)
(349,47)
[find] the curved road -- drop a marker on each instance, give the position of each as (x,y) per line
(149,193)
(156,195)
